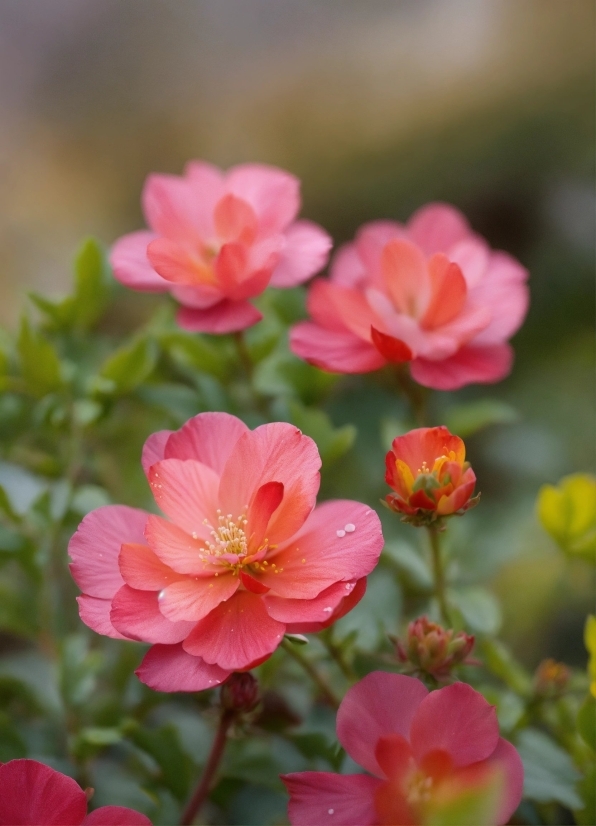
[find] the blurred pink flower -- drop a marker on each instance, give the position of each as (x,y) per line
(218,239)
(34,794)
(423,751)
(243,558)
(431,293)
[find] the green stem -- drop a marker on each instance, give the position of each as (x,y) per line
(439,574)
(337,654)
(204,785)
(415,394)
(248,367)
(312,672)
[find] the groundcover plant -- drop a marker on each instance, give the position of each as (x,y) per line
(270,629)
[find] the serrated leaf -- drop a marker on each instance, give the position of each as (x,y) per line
(549,774)
(130,365)
(466,419)
(40,365)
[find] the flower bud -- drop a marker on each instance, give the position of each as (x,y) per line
(427,470)
(431,649)
(240,692)
(551,679)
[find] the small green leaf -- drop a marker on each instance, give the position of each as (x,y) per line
(467,419)
(500,661)
(568,513)
(196,352)
(586,816)
(164,747)
(549,774)
(129,366)
(91,284)
(479,609)
(40,364)
(412,566)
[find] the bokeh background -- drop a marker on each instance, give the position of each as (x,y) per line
(379,106)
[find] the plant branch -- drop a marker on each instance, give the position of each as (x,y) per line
(439,574)
(206,780)
(312,672)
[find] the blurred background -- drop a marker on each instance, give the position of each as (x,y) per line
(379,106)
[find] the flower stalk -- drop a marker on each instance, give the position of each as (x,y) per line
(439,574)
(312,672)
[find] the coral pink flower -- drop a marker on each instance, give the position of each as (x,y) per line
(423,752)
(218,239)
(33,794)
(427,470)
(243,557)
(431,293)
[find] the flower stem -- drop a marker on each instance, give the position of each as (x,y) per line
(249,369)
(439,574)
(337,654)
(415,394)
(204,785)
(312,672)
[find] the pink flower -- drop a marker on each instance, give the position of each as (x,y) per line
(423,751)
(218,239)
(431,293)
(243,557)
(32,794)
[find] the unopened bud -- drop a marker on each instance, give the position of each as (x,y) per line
(429,648)
(551,679)
(240,692)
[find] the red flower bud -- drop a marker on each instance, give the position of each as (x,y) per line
(240,692)
(431,649)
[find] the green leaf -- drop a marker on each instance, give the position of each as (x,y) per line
(130,365)
(411,565)
(87,498)
(467,419)
(568,513)
(40,364)
(164,747)
(196,352)
(587,789)
(91,284)
(549,774)
(479,609)
(586,721)
(332,442)
(499,660)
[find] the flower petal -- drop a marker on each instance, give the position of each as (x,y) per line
(436,227)
(305,253)
(273,194)
(406,277)
(392,349)
(507,758)
(469,365)
(318,798)
(456,719)
(503,289)
(95,547)
(341,609)
(131,266)
(193,599)
(116,816)
(235,220)
(424,445)
(136,614)
(236,633)
(335,351)
(177,549)
(381,704)
(224,317)
(142,569)
(316,610)
(173,210)
(179,264)
(209,438)
(32,792)
(330,553)
(276,452)
(449,292)
(170,668)
(186,491)
(154,449)
(95,613)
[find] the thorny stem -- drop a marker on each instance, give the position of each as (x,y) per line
(415,394)
(205,782)
(439,574)
(312,672)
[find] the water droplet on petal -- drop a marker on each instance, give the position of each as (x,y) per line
(340,533)
(329,608)
(330,811)
(350,528)
(161,595)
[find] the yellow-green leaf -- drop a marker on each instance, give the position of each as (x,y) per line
(568,513)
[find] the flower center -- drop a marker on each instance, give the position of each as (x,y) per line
(419,788)
(229,537)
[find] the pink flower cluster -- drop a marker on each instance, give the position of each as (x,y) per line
(242,558)
(423,751)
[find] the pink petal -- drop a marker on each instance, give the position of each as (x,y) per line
(348,305)
(316,610)
(273,194)
(116,816)
(193,599)
(379,705)
(322,308)
(456,719)
(207,184)
(131,266)
(306,252)
(507,757)
(437,227)
(95,613)
(174,211)
(235,220)
(95,547)
(236,633)
(208,437)
(179,264)
(170,668)
(176,548)
(225,317)
(33,793)
(142,569)
(318,798)
(136,614)
(330,553)
(470,365)
(341,609)
(449,293)
(154,447)
(197,296)
(347,268)
(503,289)
(392,349)
(276,452)
(264,503)
(231,266)
(406,276)
(251,285)
(371,239)
(472,255)
(334,351)
(186,491)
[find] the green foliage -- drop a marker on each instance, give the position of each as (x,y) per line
(568,513)
(467,419)
(549,774)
